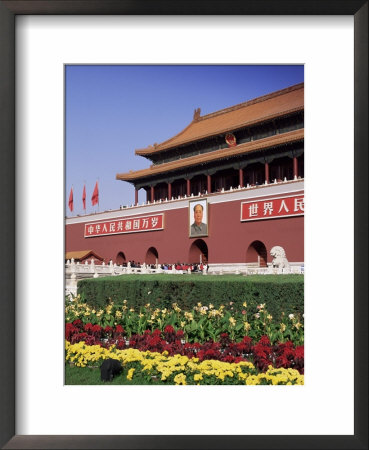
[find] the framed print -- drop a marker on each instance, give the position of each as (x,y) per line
(33,411)
(198,218)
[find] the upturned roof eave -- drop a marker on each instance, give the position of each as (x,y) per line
(248,147)
(164,146)
(81,254)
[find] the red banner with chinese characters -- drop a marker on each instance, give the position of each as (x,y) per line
(272,208)
(126,225)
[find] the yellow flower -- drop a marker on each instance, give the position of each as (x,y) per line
(153,363)
(188,315)
(247,326)
(244,304)
(176,308)
(283,327)
(232,321)
(211,306)
(180,379)
(132,310)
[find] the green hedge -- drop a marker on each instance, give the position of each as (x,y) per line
(281,293)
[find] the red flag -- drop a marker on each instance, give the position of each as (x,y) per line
(84,197)
(95,195)
(70,203)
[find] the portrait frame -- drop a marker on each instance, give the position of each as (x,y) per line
(191,205)
(8,11)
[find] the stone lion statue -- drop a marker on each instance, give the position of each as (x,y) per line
(279,257)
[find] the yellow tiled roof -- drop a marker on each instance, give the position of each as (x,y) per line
(263,108)
(81,254)
(260,144)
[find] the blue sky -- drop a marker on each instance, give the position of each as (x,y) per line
(113,110)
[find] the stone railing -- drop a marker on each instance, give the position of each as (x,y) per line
(77,271)
(254,269)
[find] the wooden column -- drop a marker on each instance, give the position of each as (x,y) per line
(136,197)
(188,188)
(267,172)
(295,167)
(209,184)
(152,194)
(240,176)
(169,191)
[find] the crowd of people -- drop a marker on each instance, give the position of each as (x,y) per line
(185,267)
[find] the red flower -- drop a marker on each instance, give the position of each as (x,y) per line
(264,340)
(169,329)
(79,337)
(88,327)
(78,323)
(96,330)
(70,329)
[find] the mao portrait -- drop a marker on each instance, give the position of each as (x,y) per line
(198,218)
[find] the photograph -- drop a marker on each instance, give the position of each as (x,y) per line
(198,212)
(157,290)
(156,249)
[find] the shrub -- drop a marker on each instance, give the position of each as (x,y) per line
(282,293)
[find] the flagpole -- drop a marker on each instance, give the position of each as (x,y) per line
(95,196)
(71,199)
(98,197)
(84,193)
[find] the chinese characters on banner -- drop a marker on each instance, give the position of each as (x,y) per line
(272,208)
(128,225)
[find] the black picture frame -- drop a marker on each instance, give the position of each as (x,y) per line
(8,11)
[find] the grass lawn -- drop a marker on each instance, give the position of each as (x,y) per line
(85,375)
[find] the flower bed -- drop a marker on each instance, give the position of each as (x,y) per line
(180,369)
(262,353)
(200,324)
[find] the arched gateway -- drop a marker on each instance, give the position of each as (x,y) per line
(257,254)
(151,256)
(198,252)
(120,259)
